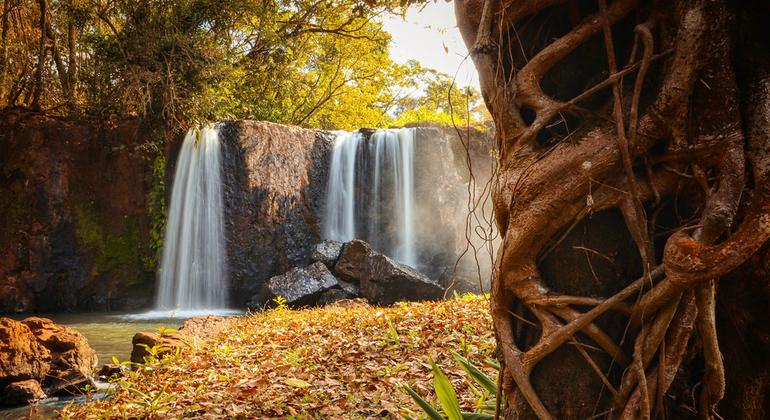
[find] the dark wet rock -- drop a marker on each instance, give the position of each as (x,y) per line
(111,371)
(158,345)
(70,383)
(302,286)
(274,187)
(389,282)
(57,357)
(22,393)
(327,252)
(350,288)
(346,291)
(353,263)
(382,280)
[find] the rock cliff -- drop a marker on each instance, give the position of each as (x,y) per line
(275,182)
(74,224)
(82,208)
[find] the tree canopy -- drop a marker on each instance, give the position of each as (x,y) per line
(320,63)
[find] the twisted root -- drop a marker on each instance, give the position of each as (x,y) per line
(671,301)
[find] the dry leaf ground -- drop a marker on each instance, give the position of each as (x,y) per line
(331,362)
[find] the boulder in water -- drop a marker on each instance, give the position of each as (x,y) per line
(327,252)
(204,328)
(199,328)
(22,393)
(382,280)
(158,345)
(21,355)
(57,357)
(111,371)
(302,286)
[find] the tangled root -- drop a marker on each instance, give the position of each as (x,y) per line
(639,148)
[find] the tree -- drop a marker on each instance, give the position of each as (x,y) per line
(317,63)
(633,149)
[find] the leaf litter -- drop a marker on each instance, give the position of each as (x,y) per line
(338,361)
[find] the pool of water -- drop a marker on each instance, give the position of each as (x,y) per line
(110,334)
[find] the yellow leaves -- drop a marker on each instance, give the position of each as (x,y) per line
(297,383)
(331,362)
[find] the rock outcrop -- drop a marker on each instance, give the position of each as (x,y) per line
(384,281)
(83,204)
(359,272)
(22,393)
(275,182)
(56,358)
(195,330)
(327,252)
(74,220)
(301,286)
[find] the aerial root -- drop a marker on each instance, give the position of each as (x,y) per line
(675,298)
(714,376)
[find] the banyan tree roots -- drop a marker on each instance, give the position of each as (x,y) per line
(639,107)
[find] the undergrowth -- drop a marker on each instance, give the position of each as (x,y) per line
(350,361)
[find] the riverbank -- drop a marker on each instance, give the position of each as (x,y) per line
(347,360)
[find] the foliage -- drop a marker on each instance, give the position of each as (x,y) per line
(156,208)
(331,362)
(320,63)
(450,407)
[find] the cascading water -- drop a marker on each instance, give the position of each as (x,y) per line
(370,194)
(339,221)
(193,274)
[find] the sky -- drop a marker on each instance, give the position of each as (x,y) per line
(431,37)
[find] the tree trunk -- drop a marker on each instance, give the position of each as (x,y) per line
(4,50)
(37,87)
(633,199)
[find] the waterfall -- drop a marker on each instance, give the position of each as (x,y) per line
(341,201)
(192,274)
(370,194)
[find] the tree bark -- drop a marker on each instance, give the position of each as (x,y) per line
(659,165)
(37,87)
(4,50)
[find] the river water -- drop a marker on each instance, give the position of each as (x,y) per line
(109,334)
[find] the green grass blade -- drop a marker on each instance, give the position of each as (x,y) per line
(432,413)
(476,416)
(446,394)
(480,377)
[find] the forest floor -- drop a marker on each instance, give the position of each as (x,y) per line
(344,361)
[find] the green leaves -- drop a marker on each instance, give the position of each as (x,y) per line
(480,377)
(432,413)
(446,393)
(447,397)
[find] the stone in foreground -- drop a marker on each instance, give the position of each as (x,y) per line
(147,345)
(57,358)
(22,393)
(195,330)
(301,286)
(382,280)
